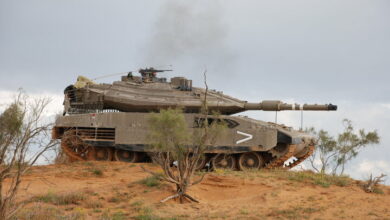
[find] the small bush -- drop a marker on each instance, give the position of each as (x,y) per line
(97,172)
(151,181)
(114,200)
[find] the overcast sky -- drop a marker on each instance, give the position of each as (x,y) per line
(298,51)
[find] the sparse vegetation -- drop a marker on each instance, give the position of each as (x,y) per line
(320,179)
(44,212)
(39,212)
(146,214)
(294,212)
(261,194)
(60,199)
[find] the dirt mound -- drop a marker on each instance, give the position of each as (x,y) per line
(114,190)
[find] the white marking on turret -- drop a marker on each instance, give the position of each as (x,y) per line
(248,137)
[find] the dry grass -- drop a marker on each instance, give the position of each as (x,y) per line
(310,177)
(40,211)
(323,180)
(60,199)
(293,213)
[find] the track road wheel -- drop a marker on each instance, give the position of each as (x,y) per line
(126,156)
(250,160)
(224,161)
(101,154)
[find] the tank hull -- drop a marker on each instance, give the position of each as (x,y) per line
(127,133)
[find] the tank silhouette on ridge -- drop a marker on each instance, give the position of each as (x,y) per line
(109,122)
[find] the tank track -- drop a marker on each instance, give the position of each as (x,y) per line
(279,162)
(301,159)
(87,154)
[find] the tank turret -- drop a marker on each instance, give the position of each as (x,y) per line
(150,93)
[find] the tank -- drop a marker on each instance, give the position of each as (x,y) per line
(110,122)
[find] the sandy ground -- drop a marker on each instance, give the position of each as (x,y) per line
(112,190)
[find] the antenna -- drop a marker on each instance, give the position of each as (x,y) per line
(112,74)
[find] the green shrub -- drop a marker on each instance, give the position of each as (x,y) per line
(151,181)
(97,172)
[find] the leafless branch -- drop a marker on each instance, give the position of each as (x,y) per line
(371,183)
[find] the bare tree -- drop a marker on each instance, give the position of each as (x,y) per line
(21,129)
(333,154)
(173,142)
(371,183)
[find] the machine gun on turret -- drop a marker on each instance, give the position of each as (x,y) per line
(149,74)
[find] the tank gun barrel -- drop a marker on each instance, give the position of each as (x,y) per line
(152,70)
(274,105)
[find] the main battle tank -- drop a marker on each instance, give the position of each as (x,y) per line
(110,122)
